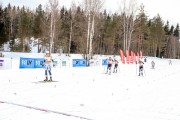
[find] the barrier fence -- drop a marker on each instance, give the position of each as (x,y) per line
(33,63)
(38,63)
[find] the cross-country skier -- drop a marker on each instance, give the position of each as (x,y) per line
(109,65)
(153,64)
(170,62)
(48,64)
(115,66)
(140,68)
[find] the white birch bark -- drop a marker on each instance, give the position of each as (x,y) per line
(92,8)
(70,39)
(91,37)
(88,33)
(128,10)
(54,9)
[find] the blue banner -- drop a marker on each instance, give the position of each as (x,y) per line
(1,62)
(105,62)
(31,62)
(38,62)
(79,63)
(26,63)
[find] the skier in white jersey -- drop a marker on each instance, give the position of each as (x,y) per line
(48,64)
(110,61)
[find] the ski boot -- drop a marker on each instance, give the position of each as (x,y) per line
(50,79)
(46,79)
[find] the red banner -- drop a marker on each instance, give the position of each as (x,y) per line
(141,54)
(127,57)
(132,57)
(122,57)
(135,58)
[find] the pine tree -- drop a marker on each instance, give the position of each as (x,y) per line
(157,35)
(177,44)
(3,35)
(176,31)
(166,28)
(167,33)
(37,28)
(79,34)
(171,31)
(141,34)
(23,28)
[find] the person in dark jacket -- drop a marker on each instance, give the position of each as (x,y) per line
(141,68)
(115,66)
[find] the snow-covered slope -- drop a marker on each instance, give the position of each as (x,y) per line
(86,93)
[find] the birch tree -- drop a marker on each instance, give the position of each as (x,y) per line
(73,10)
(53,20)
(92,8)
(128,11)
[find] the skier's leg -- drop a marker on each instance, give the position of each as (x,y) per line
(116,68)
(110,69)
(46,75)
(50,74)
(107,69)
(142,71)
(139,71)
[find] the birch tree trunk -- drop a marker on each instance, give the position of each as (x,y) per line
(88,33)
(92,8)
(54,9)
(70,39)
(91,37)
(128,11)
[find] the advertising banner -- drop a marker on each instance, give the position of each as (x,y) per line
(38,62)
(5,63)
(1,62)
(31,63)
(26,63)
(79,63)
(122,57)
(127,57)
(64,63)
(94,62)
(104,62)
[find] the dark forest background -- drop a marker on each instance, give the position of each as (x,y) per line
(76,30)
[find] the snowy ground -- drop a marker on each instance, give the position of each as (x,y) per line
(89,94)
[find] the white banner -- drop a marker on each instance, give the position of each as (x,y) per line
(94,62)
(59,63)
(5,63)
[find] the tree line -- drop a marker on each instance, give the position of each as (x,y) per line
(88,29)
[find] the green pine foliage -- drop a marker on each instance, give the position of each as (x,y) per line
(150,35)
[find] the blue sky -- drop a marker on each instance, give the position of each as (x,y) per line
(166,8)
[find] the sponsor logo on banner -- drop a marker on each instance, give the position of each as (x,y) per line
(26,63)
(79,63)
(94,62)
(1,63)
(31,62)
(55,63)
(5,63)
(38,63)
(64,63)
(104,61)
